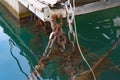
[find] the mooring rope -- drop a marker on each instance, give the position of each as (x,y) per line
(76,35)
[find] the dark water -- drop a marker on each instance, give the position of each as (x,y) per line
(20,49)
(98,32)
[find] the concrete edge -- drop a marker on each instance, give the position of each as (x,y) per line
(14,12)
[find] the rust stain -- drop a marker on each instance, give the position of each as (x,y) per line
(70,59)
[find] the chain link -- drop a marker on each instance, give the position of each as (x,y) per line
(69,9)
(52,38)
(70,18)
(57,35)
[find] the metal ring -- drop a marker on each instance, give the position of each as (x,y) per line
(51,35)
(69,37)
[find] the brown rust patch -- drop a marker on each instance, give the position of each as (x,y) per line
(70,62)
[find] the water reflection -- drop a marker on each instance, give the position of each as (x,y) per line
(97,35)
(8,66)
(12,44)
(15,50)
(2,35)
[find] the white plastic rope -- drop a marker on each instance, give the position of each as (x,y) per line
(79,46)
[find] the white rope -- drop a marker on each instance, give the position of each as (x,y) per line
(79,45)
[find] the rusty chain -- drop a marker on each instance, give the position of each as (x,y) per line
(60,37)
(52,38)
(56,34)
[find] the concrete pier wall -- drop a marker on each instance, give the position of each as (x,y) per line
(16,8)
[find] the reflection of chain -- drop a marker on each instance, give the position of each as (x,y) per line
(70,18)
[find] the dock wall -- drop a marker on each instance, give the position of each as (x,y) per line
(16,8)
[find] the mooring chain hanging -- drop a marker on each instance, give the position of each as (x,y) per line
(70,18)
(56,34)
(60,37)
(52,38)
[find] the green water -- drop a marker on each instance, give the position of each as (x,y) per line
(96,32)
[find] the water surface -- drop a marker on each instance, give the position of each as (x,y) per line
(20,49)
